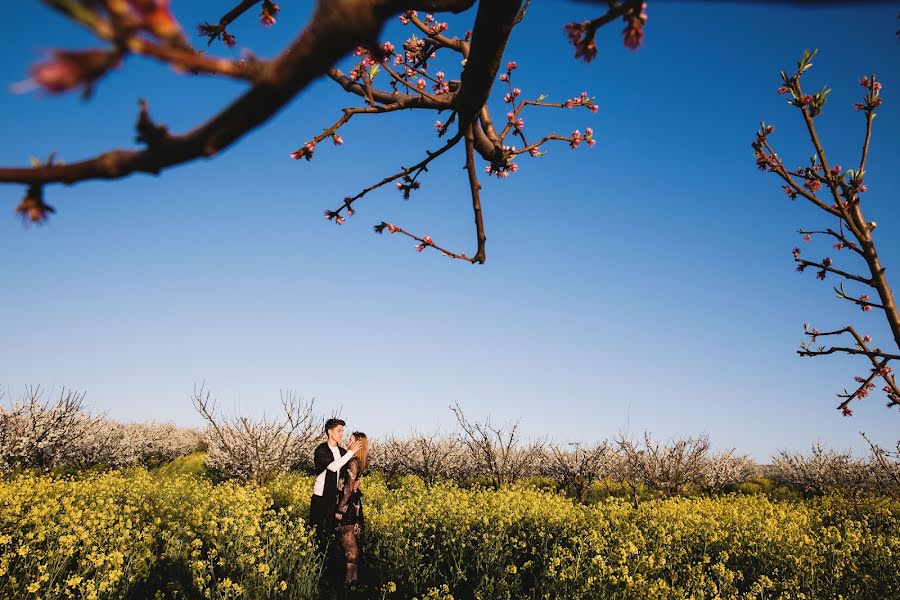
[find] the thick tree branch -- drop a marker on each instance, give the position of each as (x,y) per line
(493,25)
(475,189)
(337,27)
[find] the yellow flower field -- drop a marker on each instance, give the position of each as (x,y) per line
(142,534)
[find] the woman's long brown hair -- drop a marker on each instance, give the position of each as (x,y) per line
(363,453)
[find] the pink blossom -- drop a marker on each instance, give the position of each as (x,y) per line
(845,411)
(633,33)
(512,65)
(576,139)
(813,185)
(783,90)
(867,338)
(420,84)
(420,247)
(788,190)
(157,17)
(305,152)
(504,77)
(267,15)
(807,237)
(337,139)
(68,70)
(859,106)
(427,240)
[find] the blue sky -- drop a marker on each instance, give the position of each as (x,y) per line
(646,283)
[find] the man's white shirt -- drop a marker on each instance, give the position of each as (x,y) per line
(334,466)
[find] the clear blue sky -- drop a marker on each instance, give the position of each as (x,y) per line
(646,283)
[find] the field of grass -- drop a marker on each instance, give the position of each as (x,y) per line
(175,533)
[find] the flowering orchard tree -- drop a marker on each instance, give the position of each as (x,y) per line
(387,77)
(839,192)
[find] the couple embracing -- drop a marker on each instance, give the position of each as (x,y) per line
(336,506)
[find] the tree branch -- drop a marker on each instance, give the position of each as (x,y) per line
(475,188)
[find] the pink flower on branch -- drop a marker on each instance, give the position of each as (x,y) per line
(864,303)
(634,28)
(268,13)
(32,208)
(71,69)
(304,152)
(576,139)
(157,18)
(581,36)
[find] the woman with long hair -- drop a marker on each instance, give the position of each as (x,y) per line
(349,518)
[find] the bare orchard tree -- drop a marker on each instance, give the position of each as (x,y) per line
(431,71)
(498,453)
(148,444)
(885,465)
(665,467)
(837,194)
(577,466)
(726,470)
(822,471)
(39,433)
(431,457)
(384,456)
(255,450)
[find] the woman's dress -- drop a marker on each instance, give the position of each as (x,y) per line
(349,518)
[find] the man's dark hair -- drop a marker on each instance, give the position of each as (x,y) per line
(332,423)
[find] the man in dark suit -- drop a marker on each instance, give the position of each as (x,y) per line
(329,458)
